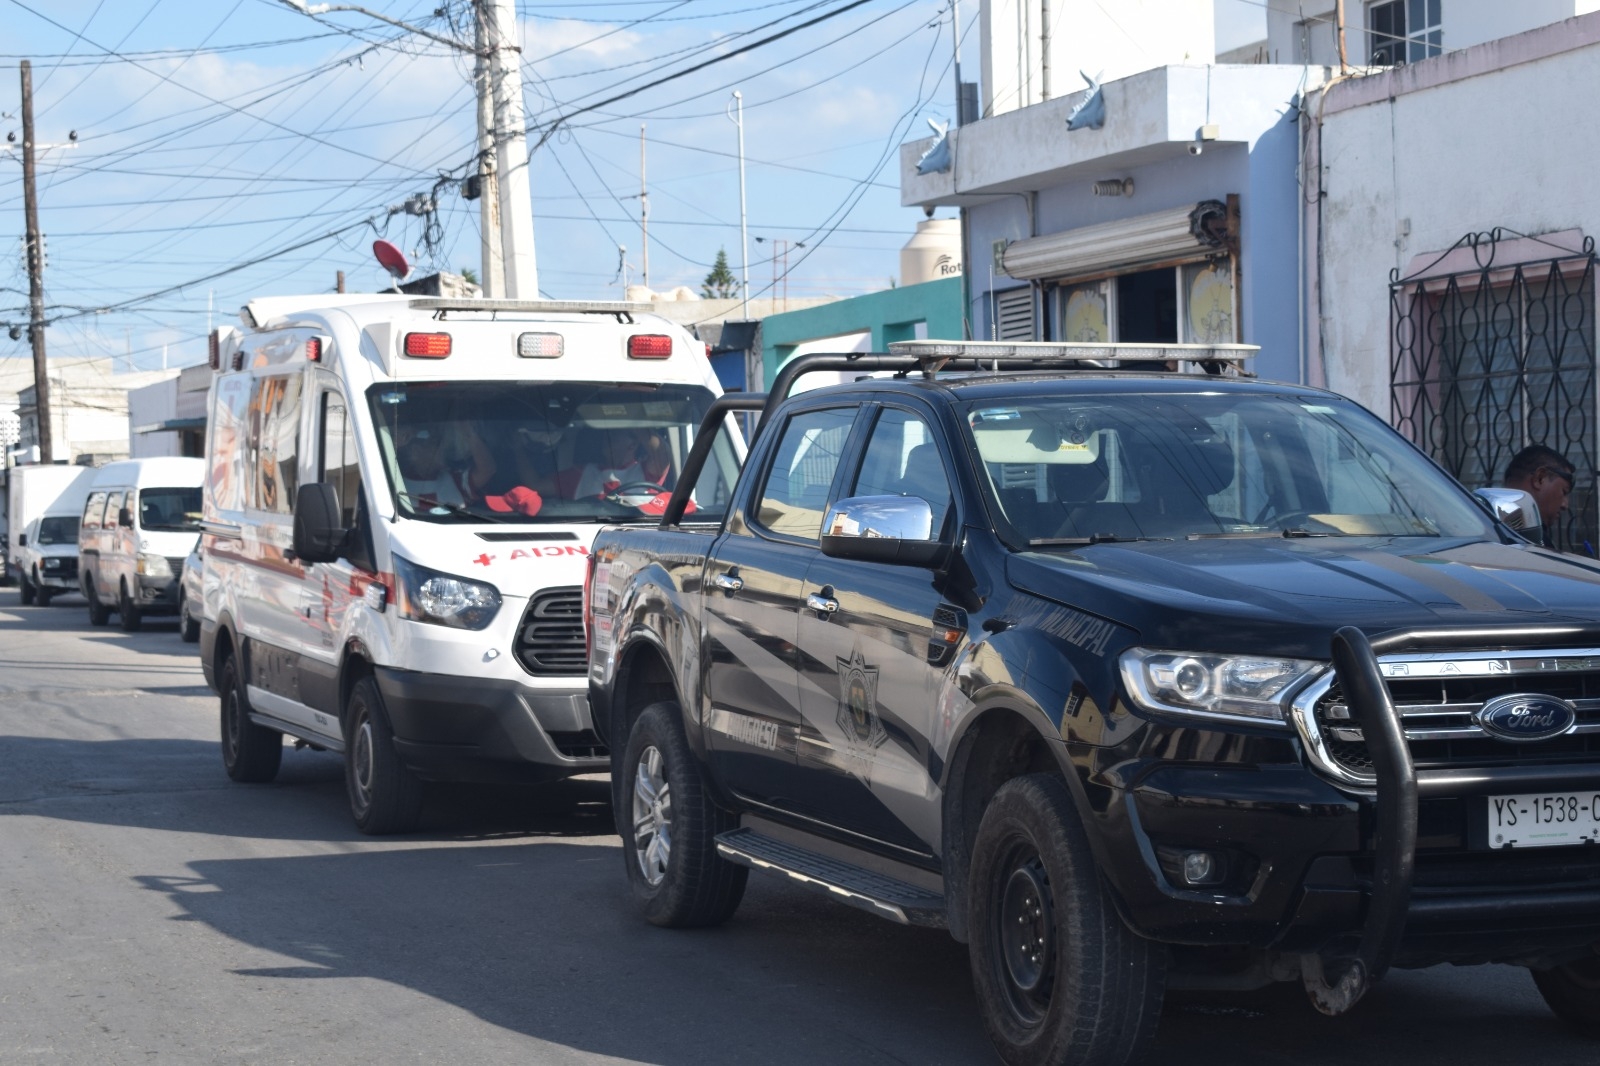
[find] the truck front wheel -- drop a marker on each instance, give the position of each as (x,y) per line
(669,838)
(1573,992)
(1059,977)
(26,590)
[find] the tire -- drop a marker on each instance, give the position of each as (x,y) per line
(127,614)
(44,594)
(26,587)
(669,824)
(250,753)
(1573,993)
(385,796)
(1080,988)
(99,613)
(188,624)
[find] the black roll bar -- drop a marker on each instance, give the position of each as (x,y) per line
(720,408)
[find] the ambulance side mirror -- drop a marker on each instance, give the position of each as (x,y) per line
(318,536)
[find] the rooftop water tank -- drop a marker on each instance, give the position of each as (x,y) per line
(933,252)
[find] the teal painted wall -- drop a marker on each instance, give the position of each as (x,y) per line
(891,315)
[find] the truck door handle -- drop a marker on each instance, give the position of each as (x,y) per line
(821,604)
(728,583)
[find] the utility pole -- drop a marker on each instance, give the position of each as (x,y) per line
(644,211)
(493,276)
(35,257)
(511,149)
(744,238)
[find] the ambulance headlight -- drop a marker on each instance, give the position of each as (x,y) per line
(425,595)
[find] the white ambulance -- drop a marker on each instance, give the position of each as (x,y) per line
(400,496)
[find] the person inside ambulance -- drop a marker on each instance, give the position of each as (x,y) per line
(425,468)
(636,460)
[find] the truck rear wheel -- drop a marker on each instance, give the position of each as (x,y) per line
(669,825)
(385,796)
(1059,978)
(250,753)
(1573,993)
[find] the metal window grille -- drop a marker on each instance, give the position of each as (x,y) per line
(1487,361)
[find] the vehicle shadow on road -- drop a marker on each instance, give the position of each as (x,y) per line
(180,785)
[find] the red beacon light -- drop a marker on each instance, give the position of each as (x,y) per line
(314,350)
(214,350)
(649,346)
(427,345)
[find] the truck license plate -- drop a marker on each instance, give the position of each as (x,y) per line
(1544,819)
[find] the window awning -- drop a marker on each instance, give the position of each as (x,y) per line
(1163,235)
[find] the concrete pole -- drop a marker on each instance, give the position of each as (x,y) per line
(1044,50)
(744,231)
(34,253)
(511,150)
(492,277)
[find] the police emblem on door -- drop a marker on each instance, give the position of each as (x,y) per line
(858,706)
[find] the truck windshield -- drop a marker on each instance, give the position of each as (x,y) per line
(170,510)
(1130,467)
(534,452)
(58,529)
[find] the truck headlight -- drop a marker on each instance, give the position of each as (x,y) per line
(1251,688)
(425,595)
(153,565)
(53,563)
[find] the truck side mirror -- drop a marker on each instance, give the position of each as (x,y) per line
(1515,508)
(318,536)
(125,518)
(883,529)
(22,540)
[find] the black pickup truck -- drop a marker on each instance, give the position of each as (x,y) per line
(1130,675)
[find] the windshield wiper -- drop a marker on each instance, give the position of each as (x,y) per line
(1262,534)
(1079,542)
(453,508)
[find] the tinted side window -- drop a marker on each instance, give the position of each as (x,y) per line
(338,466)
(93,510)
(902,460)
(796,490)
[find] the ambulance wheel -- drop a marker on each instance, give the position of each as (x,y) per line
(127,613)
(1059,978)
(385,796)
(669,841)
(250,753)
(99,613)
(1573,993)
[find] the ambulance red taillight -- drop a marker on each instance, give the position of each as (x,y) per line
(427,345)
(649,346)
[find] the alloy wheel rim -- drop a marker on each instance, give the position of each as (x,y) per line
(652,816)
(361,764)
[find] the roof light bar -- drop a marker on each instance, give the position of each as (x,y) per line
(649,346)
(427,345)
(540,345)
(1160,353)
(602,307)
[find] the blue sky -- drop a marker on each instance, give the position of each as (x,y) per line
(220,133)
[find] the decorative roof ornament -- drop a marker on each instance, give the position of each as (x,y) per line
(1090,112)
(936,160)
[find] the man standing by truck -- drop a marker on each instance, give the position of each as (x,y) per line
(1547,476)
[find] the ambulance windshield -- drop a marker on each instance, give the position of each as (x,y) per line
(538,452)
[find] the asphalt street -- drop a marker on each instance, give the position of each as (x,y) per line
(153,912)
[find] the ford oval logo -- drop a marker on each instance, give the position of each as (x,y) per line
(1526,717)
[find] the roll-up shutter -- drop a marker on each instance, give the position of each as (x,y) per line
(1131,242)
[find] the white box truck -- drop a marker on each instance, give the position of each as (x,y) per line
(400,495)
(32,490)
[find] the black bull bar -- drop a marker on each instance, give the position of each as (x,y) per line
(1355,661)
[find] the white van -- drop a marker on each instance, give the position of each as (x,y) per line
(400,499)
(140,522)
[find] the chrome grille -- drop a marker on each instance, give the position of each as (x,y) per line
(550,637)
(1437,696)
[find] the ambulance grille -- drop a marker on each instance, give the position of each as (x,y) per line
(550,638)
